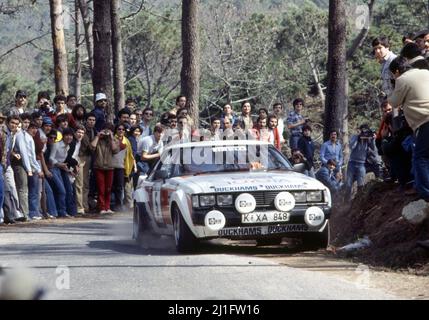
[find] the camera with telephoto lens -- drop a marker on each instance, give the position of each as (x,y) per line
(366,132)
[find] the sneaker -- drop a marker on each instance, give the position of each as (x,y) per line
(103,212)
(110,211)
(36,218)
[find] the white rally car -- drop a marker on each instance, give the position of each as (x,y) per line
(235,189)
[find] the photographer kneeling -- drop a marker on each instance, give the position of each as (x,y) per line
(360,145)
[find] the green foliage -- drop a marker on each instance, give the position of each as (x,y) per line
(152,50)
(265,50)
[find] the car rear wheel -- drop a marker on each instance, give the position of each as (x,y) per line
(185,240)
(316,240)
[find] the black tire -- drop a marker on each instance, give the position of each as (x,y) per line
(137,223)
(183,236)
(268,242)
(316,240)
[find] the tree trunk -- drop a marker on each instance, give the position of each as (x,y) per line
(78,64)
(190,74)
(87,24)
(337,71)
(118,62)
(59,46)
(102,76)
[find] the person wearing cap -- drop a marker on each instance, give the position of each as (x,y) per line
(100,111)
(20,103)
(360,145)
(382,53)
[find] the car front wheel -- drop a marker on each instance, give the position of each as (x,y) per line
(316,240)
(137,228)
(185,240)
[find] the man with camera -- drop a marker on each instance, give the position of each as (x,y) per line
(360,145)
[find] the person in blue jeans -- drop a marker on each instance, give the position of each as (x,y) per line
(1,195)
(360,145)
(295,123)
(60,180)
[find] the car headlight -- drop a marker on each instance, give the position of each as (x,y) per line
(300,196)
(314,196)
(224,200)
(207,201)
(195,202)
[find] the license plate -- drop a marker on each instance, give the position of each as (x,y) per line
(263,217)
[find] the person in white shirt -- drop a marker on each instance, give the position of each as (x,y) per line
(25,165)
(278,112)
(152,147)
(33,179)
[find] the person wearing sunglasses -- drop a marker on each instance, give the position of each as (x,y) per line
(100,111)
(146,122)
(20,103)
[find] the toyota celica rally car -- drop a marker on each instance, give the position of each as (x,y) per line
(234,189)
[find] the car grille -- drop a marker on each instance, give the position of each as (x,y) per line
(266,198)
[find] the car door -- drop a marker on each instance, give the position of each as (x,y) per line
(161,173)
(149,187)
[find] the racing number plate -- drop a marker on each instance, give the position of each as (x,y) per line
(267,216)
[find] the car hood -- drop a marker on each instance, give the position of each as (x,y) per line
(248,182)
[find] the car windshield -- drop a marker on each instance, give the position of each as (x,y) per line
(218,159)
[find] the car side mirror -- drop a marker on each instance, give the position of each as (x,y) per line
(161,175)
(299,167)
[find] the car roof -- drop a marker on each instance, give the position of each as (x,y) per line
(217,143)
